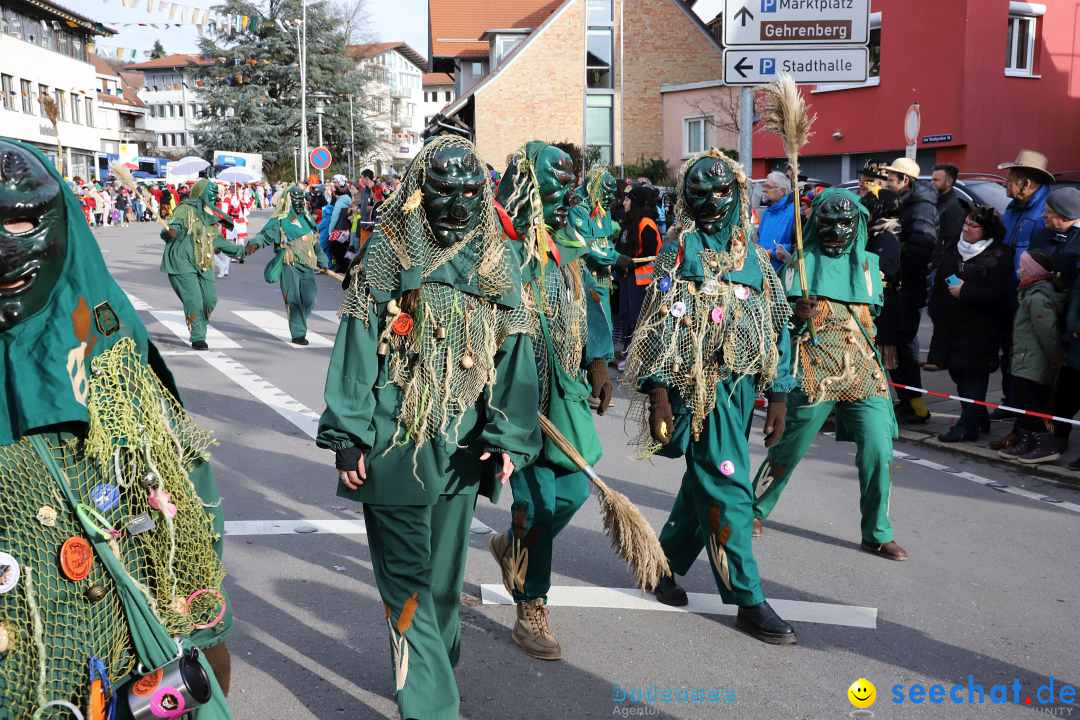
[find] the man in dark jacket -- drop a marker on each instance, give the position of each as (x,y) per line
(918,239)
(952,209)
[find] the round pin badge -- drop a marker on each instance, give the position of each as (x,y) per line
(717,315)
(105,496)
(711,287)
(742,292)
(9,572)
(76,558)
(727,468)
(664,284)
(678,309)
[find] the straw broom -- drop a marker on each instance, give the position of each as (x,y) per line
(52,111)
(785,114)
(632,537)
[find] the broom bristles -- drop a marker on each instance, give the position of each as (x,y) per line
(632,537)
(785,114)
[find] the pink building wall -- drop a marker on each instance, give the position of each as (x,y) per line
(679,104)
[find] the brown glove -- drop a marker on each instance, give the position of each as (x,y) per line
(168,234)
(661,419)
(624,261)
(806,307)
(601,384)
(775,419)
(250,249)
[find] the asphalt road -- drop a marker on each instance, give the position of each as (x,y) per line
(990,591)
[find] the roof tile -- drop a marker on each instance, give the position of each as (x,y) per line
(455,26)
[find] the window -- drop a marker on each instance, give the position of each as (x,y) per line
(42,90)
(27,96)
(446,96)
(194,110)
(875,51)
(76,107)
(599,12)
(504,45)
(1020,46)
(61,102)
(695,135)
(172,110)
(598,56)
(164,141)
(477,69)
(89,111)
(180,109)
(8,82)
(598,125)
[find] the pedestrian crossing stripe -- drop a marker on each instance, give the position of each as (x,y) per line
(324,526)
(329,315)
(278,325)
(136,303)
(174,321)
(699,603)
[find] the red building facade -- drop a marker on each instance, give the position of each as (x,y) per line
(990,77)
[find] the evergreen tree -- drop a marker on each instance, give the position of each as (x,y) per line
(252,89)
(158,51)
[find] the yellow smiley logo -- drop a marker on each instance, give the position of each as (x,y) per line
(862,693)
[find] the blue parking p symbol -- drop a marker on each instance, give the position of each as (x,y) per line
(768,66)
(768,6)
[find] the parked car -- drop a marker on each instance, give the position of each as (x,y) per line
(974,188)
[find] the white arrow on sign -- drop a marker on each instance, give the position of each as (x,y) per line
(804,64)
(796,22)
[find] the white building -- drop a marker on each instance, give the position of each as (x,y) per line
(121,115)
(392,105)
(438,93)
(170,92)
(43,49)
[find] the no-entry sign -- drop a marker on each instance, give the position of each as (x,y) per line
(320,157)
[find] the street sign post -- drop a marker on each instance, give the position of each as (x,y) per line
(758,66)
(796,22)
(320,157)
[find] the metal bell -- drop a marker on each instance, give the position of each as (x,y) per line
(95,593)
(150,480)
(440,333)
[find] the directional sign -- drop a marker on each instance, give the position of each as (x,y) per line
(796,22)
(320,157)
(804,64)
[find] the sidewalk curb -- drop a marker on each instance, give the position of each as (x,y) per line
(1048,471)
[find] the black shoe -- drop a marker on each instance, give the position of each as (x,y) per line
(762,622)
(300,341)
(1075,464)
(668,592)
(984,425)
(199,345)
(956,434)
(999,414)
(1027,442)
(1045,450)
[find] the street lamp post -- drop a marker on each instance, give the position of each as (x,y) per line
(320,110)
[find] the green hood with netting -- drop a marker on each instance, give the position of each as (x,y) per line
(46,357)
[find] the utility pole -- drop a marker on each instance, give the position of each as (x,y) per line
(302,45)
(746,129)
(352,142)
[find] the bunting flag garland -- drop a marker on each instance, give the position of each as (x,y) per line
(180,14)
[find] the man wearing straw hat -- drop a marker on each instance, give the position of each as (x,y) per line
(1028,185)
(918,238)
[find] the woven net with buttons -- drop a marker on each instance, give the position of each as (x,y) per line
(447,359)
(691,336)
(140,441)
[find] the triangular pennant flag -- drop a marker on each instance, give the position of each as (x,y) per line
(164,7)
(120,53)
(151,5)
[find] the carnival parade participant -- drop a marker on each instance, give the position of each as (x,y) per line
(590,217)
(838,367)
(431,400)
(533,193)
(190,244)
(292,233)
(712,333)
(112,524)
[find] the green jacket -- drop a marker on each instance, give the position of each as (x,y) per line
(297,238)
(197,237)
(362,405)
(1036,333)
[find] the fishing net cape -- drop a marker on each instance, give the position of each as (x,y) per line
(699,332)
(468,304)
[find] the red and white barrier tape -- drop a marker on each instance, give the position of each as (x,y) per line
(992,406)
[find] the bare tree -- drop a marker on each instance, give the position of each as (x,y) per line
(356,21)
(721,111)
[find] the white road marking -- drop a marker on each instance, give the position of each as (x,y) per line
(136,302)
(322,526)
(700,603)
(174,321)
(283,404)
(331,315)
(278,325)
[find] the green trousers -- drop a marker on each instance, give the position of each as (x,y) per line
(598,317)
(714,507)
(298,290)
(544,501)
(198,296)
(869,423)
(419,551)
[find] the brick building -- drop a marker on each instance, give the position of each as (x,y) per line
(583,71)
(990,77)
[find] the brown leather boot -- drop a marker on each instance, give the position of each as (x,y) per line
(889,550)
(758,529)
(532,632)
(1006,442)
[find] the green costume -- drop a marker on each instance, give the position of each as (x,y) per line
(591,220)
(93,437)
(841,369)
(712,331)
(548,492)
(431,368)
(191,240)
(295,238)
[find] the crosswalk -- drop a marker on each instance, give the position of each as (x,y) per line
(274,324)
(277,325)
(174,321)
